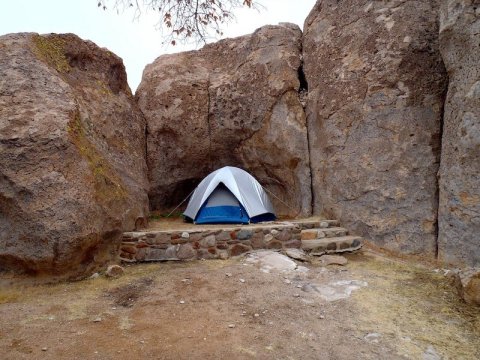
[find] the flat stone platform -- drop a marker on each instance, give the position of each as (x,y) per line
(171,240)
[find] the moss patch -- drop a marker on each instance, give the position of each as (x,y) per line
(51,50)
(108,186)
(9,295)
(103,88)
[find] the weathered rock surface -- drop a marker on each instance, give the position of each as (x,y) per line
(333,260)
(235,103)
(271,261)
(296,254)
(459,211)
(72,155)
(335,290)
(376,86)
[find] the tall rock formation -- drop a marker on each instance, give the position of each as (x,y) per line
(235,103)
(459,213)
(72,155)
(376,86)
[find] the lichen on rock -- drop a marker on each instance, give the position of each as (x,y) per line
(51,49)
(72,160)
(108,186)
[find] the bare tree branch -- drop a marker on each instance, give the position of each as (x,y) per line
(185,21)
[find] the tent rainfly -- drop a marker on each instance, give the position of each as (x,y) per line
(229,196)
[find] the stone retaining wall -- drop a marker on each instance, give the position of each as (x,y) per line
(161,245)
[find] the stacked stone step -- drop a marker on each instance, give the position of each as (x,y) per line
(328,239)
(158,245)
(198,243)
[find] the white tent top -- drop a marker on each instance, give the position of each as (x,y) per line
(243,186)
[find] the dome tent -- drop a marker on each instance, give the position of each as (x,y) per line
(229,195)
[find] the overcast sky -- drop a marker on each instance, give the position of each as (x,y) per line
(138,43)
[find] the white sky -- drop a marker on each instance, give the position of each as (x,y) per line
(138,43)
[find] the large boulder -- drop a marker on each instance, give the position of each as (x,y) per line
(376,86)
(459,212)
(235,103)
(72,155)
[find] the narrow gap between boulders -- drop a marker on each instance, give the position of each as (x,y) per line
(437,185)
(303,96)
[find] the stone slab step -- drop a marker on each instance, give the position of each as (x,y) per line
(314,223)
(332,245)
(313,234)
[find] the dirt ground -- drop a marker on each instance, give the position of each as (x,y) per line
(178,224)
(232,310)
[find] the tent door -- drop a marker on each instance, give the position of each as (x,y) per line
(222,207)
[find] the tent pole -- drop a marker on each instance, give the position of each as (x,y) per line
(283,202)
(171,212)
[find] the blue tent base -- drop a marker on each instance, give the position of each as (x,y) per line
(263,217)
(228,215)
(222,215)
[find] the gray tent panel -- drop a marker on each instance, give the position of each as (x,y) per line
(221,196)
(246,189)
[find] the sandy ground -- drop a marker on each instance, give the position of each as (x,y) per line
(178,224)
(195,311)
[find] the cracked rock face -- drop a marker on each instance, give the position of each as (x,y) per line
(72,155)
(234,103)
(376,86)
(459,213)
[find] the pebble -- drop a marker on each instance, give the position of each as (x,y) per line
(182,302)
(242,280)
(114,271)
(296,295)
(256,315)
(431,354)
(324,224)
(98,319)
(299,286)
(228,274)
(373,337)
(231,326)
(287,281)
(44,349)
(321,317)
